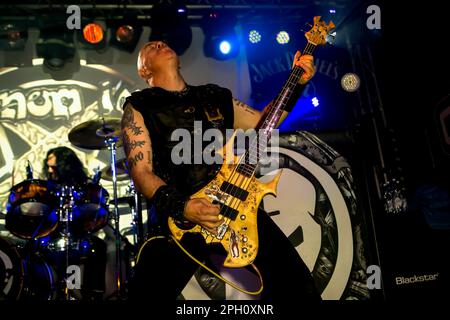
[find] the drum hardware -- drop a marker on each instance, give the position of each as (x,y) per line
(100,134)
(29,170)
(66,204)
(111,141)
(136,213)
(121,171)
(91,134)
(97,176)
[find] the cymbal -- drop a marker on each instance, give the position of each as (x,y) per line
(121,171)
(92,134)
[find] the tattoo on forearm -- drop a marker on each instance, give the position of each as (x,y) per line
(245,107)
(131,144)
(149,157)
(132,161)
(128,121)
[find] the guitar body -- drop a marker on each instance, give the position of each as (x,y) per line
(239,233)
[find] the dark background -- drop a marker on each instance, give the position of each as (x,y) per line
(413,68)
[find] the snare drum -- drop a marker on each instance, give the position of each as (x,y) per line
(31,209)
(90,212)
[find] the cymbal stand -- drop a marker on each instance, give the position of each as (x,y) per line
(111,143)
(136,213)
(65,217)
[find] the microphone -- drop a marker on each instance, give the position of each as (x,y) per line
(29,170)
(97,176)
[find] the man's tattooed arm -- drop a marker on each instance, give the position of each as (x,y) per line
(131,143)
(138,151)
(245,117)
(129,122)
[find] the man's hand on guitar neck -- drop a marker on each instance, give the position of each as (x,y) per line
(245,117)
(306,62)
(201,211)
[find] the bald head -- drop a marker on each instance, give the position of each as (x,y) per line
(155,56)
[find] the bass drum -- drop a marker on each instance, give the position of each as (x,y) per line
(31,209)
(26,278)
(87,254)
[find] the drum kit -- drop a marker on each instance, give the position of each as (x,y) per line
(56,225)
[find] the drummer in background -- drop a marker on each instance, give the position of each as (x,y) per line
(63,166)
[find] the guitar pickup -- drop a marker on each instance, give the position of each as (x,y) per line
(227,211)
(234,191)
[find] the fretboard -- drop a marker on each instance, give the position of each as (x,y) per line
(270,119)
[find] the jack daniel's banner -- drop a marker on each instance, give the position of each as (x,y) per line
(324,104)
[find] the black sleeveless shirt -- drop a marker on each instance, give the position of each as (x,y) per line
(164,111)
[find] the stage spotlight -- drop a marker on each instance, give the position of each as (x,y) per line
(283,37)
(350,82)
(221,47)
(55,45)
(315,102)
(225,47)
(13,36)
(221,41)
(254,36)
(92,35)
(169,23)
(125,36)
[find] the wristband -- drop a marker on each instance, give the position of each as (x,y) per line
(168,201)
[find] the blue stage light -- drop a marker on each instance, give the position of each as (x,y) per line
(254,36)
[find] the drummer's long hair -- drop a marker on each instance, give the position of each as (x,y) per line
(69,168)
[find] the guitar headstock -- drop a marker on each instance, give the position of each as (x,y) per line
(319,31)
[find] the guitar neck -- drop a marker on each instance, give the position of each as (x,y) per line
(270,119)
(271,116)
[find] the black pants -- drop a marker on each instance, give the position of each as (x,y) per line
(163,270)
